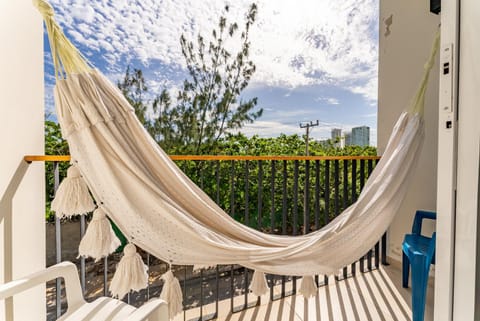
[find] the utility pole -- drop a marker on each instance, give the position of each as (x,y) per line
(307,129)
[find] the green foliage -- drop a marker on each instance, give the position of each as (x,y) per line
(267,194)
(55,144)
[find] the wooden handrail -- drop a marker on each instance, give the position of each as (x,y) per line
(66,158)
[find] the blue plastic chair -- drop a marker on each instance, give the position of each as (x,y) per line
(419,252)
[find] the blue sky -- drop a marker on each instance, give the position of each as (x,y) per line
(315,59)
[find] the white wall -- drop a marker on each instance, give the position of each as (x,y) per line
(22,227)
(402,53)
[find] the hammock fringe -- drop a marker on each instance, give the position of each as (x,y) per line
(172,293)
(259,285)
(72,196)
(308,287)
(99,239)
(131,273)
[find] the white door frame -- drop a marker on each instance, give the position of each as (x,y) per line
(456,282)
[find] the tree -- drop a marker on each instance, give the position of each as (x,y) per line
(134,89)
(209,104)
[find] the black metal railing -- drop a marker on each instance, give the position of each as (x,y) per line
(277,194)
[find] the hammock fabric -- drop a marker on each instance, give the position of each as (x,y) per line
(162,211)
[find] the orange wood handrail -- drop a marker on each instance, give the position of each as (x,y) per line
(66,158)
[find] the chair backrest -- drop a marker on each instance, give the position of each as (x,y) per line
(419,216)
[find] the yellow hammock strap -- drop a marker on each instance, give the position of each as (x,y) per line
(66,57)
(418,104)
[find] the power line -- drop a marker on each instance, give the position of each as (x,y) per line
(307,129)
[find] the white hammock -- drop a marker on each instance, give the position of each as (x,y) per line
(161,210)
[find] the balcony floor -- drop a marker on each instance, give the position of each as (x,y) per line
(375,295)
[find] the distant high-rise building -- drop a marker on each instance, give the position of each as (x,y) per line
(360,136)
(337,137)
(348,139)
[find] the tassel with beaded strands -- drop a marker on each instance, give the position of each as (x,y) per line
(72,196)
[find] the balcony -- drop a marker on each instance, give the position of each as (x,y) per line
(288,195)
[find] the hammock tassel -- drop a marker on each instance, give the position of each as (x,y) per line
(259,285)
(72,196)
(131,273)
(99,239)
(172,293)
(308,288)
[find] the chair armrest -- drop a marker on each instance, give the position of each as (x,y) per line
(419,216)
(65,270)
(154,310)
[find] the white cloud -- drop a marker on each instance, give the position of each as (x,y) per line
(329,100)
(294,43)
(333,101)
(270,129)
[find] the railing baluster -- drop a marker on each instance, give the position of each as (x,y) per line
(184,291)
(369,260)
(247,222)
(260,195)
(337,187)
(317,196)
(232,189)
(247,192)
(58,244)
(217,289)
(232,289)
(345,184)
(370,166)
(327,193)
(245,271)
(200,168)
(384,249)
(354,199)
(201,294)
(105,277)
(345,200)
(272,215)
(327,202)
(295,213)
(217,181)
(295,198)
(284,198)
(82,258)
(272,208)
(306,199)
(284,215)
(362,173)
(354,180)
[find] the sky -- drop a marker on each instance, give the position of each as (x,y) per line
(315,59)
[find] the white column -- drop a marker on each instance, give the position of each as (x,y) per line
(22,186)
